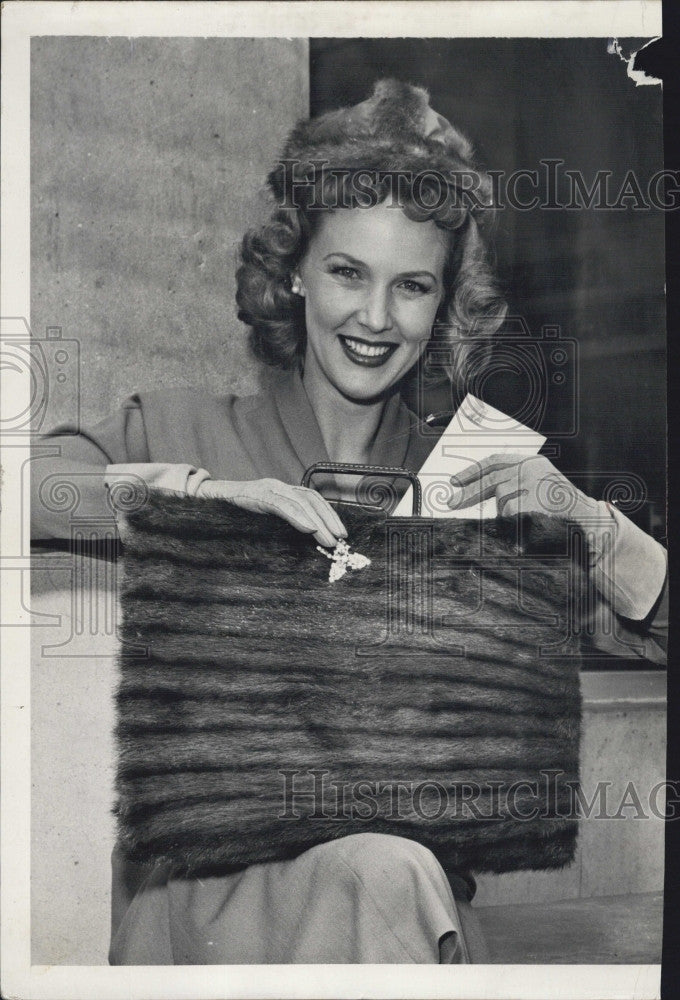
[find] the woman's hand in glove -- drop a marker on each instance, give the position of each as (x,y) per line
(304,508)
(522,485)
(629,566)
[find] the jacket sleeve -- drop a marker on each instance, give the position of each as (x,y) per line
(72,472)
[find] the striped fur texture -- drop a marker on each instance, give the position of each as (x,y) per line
(264,680)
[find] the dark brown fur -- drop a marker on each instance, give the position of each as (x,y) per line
(253,669)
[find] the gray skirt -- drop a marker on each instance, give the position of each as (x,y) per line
(365,898)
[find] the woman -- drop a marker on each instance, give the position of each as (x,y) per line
(341,290)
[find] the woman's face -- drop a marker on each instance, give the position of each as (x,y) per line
(373,281)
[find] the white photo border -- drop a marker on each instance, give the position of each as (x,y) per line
(351,18)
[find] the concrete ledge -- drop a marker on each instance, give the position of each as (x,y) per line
(623,745)
(615,689)
(609,930)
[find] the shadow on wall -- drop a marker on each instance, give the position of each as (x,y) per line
(148,158)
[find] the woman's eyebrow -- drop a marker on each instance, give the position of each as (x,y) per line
(341,253)
(418,274)
(360,263)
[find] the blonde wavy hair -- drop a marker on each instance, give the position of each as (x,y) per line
(353,157)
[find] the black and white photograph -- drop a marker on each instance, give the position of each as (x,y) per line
(335,590)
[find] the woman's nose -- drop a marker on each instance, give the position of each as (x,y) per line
(375,313)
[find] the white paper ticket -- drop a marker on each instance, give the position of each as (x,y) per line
(476,431)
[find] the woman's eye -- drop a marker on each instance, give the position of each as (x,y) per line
(345,271)
(414,287)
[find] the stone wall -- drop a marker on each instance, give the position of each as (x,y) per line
(148,160)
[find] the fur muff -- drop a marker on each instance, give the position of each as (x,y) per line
(426,695)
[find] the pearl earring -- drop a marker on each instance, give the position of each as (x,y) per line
(296,286)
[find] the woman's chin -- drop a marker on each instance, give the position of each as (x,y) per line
(356,382)
(365,387)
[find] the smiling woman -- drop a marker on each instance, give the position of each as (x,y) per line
(395,179)
(373,244)
(372,281)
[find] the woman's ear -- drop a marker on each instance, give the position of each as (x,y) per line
(296,285)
